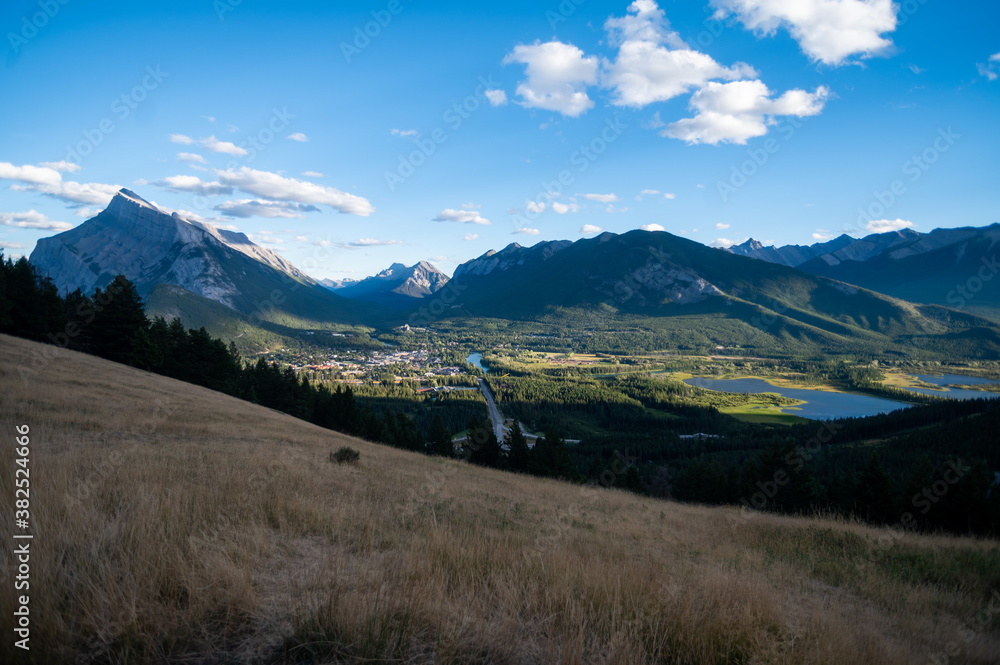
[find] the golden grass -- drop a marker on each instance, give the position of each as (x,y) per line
(174,524)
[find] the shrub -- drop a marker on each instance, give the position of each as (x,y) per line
(345,454)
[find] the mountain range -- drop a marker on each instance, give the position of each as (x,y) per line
(844,295)
(950,267)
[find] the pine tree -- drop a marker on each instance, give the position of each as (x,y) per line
(484,447)
(440,438)
(118,321)
(518,453)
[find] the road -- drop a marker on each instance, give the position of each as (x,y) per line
(494,411)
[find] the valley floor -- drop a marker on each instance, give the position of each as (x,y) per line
(176,524)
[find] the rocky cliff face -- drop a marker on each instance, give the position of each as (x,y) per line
(135,238)
(398,282)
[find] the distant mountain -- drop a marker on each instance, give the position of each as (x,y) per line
(953,267)
(789,255)
(714,295)
(844,245)
(135,238)
(335,284)
(398,285)
(933,267)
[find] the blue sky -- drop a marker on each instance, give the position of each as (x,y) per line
(451,128)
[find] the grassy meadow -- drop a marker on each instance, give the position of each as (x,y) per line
(175,524)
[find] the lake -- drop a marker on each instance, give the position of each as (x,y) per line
(945,380)
(820,404)
(476,360)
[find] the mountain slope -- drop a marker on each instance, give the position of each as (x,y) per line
(174,508)
(656,274)
(134,238)
(953,267)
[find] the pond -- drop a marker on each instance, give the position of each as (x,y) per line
(476,360)
(820,404)
(947,380)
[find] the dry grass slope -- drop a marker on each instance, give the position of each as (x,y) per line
(174,524)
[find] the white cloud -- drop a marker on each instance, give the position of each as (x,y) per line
(13,245)
(472,236)
(262,208)
(886,225)
(49,181)
(86,213)
(210,118)
(32,220)
(917,70)
(35,175)
(651,227)
(192,183)
(225,147)
(722,226)
(273,186)
(653,63)
(822,235)
(590,229)
(471,206)
(461,216)
(601,198)
(496,97)
(299,136)
(671,196)
(723,242)
(991,68)
(190,157)
(828,31)
(535,207)
(735,112)
(404,132)
(61,166)
(528,232)
(312,174)
(647,192)
(374,242)
(558,76)
(211,143)
(563,208)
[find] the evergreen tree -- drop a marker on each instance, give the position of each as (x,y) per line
(874,496)
(484,449)
(118,323)
(440,438)
(518,453)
